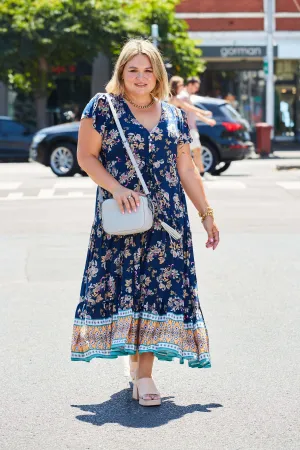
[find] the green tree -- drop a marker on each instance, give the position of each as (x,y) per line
(38,34)
(177,47)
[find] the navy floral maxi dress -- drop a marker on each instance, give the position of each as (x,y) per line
(139,292)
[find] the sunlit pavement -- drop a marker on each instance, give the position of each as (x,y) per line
(249,293)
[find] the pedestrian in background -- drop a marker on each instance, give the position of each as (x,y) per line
(181,98)
(139,292)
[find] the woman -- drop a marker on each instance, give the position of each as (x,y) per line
(176,87)
(139,292)
(181,98)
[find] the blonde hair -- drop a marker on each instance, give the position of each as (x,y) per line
(174,82)
(137,47)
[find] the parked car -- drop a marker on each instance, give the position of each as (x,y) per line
(15,140)
(229,140)
(56,147)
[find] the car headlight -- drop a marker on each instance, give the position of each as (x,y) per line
(38,138)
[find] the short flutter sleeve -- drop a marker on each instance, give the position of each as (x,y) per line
(184,130)
(98,110)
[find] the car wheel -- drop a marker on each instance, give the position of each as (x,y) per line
(220,168)
(210,157)
(63,160)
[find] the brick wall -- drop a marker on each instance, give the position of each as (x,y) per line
(241,6)
(225,24)
(219,6)
(283,24)
(287,5)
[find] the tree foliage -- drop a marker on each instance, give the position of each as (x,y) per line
(177,48)
(36,35)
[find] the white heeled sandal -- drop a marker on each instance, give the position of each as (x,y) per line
(143,387)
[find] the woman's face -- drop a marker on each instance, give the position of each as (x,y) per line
(138,76)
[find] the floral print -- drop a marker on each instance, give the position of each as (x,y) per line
(139,292)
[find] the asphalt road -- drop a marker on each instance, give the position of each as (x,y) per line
(249,293)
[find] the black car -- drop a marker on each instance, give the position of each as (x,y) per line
(15,139)
(56,147)
(229,140)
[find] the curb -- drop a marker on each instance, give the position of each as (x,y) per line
(288,167)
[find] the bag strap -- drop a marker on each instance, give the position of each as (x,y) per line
(126,145)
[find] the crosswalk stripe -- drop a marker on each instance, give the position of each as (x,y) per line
(84,193)
(15,195)
(6,186)
(46,193)
(224,185)
(24,168)
(53,197)
(289,185)
(75,194)
(80,183)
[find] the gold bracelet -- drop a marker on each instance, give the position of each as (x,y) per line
(209,212)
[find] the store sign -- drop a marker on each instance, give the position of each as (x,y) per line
(256,51)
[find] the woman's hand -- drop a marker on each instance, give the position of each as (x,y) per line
(211,122)
(208,121)
(120,194)
(212,232)
(206,113)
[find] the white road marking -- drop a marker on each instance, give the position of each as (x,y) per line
(80,183)
(24,168)
(7,186)
(52,194)
(46,193)
(15,195)
(289,185)
(75,194)
(224,185)
(53,197)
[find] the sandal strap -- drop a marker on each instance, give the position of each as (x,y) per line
(146,386)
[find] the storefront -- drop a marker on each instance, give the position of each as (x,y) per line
(237,73)
(74,85)
(287,101)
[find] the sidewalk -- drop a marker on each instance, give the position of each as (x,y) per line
(287,159)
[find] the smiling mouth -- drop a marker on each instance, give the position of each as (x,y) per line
(140,85)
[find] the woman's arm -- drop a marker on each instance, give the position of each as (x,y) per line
(190,178)
(188,107)
(202,114)
(88,149)
(192,184)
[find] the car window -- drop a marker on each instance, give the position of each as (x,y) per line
(229,111)
(12,128)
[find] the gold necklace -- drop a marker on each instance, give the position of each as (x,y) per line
(139,106)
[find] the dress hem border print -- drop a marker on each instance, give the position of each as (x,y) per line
(126,328)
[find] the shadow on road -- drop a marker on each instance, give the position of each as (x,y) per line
(123,410)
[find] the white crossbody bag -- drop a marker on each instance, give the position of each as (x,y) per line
(116,223)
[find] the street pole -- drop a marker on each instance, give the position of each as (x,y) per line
(154,34)
(269,28)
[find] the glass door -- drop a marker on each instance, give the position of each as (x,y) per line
(285,112)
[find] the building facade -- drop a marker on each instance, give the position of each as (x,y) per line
(233,39)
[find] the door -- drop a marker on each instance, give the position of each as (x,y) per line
(14,139)
(285,112)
